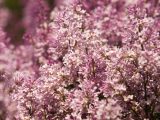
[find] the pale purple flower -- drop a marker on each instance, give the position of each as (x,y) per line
(94,60)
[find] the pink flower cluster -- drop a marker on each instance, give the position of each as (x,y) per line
(85,59)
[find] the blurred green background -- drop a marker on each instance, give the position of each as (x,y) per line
(14,27)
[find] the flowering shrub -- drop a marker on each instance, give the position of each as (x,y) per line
(85,59)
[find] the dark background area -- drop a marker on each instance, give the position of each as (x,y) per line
(14,28)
